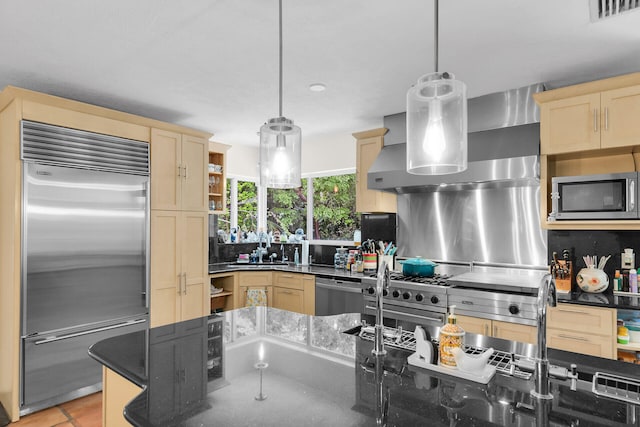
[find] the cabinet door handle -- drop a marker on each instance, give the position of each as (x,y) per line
(179,170)
(569,337)
(185,283)
(486,329)
(185,171)
(179,283)
(595,120)
(606,118)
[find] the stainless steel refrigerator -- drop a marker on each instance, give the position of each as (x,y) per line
(85,268)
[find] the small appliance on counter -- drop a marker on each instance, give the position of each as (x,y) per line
(608,196)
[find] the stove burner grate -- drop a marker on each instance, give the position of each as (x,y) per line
(436,279)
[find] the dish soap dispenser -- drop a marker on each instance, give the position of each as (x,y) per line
(451,337)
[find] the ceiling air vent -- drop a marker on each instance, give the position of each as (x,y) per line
(603,9)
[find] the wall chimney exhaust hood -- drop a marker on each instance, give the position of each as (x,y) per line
(503,148)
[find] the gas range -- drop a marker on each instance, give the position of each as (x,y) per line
(495,293)
(410,298)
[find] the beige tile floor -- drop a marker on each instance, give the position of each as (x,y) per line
(83,412)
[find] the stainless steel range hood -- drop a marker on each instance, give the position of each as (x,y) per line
(503,148)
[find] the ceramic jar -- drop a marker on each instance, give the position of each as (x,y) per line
(592,280)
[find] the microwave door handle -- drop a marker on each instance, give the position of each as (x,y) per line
(632,195)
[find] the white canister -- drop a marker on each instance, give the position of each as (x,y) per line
(592,280)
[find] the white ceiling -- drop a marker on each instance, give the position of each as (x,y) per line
(213,64)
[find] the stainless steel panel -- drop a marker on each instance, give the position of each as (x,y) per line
(84,247)
(72,147)
(487,225)
(335,296)
(503,162)
(58,368)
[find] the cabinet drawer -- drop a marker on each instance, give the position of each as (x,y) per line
(583,343)
(288,280)
(515,332)
(474,325)
(582,319)
(255,278)
(288,299)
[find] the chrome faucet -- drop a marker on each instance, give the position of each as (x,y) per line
(546,295)
(382,284)
(263,251)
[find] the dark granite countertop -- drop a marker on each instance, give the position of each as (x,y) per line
(605,299)
(318,270)
(308,386)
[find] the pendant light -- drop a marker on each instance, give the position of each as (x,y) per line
(280,142)
(437,121)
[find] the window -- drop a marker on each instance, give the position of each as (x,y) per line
(247,205)
(287,209)
(334,207)
(287,325)
(331,201)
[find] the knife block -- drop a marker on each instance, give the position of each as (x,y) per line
(563,281)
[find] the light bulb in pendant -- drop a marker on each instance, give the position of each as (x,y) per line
(433,143)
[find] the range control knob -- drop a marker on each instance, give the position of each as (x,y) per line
(396,293)
(385,292)
(406,295)
(514,309)
(419,297)
(371,290)
(435,299)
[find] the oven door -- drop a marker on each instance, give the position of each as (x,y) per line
(409,314)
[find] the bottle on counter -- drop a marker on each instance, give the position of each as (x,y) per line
(633,281)
(623,333)
(451,337)
(296,257)
(617,281)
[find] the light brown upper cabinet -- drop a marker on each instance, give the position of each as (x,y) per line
(590,116)
(368,146)
(179,177)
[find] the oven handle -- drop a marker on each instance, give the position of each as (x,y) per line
(421,317)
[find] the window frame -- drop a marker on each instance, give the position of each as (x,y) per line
(262,202)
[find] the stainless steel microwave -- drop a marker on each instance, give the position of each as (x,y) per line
(610,196)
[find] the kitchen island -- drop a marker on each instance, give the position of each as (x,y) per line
(275,369)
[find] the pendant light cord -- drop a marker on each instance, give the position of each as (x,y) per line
(435,35)
(280,53)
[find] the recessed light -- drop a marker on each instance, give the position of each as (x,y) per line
(317,87)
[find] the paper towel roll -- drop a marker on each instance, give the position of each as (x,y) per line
(305,252)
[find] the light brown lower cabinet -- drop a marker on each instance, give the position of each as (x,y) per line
(287,291)
(117,392)
(498,329)
(582,329)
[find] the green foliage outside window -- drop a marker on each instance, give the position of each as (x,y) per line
(334,207)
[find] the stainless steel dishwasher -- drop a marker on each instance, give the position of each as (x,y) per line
(338,295)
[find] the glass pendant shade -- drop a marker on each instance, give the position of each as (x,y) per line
(437,125)
(280,154)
